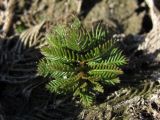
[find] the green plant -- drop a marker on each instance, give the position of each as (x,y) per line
(20,28)
(80,62)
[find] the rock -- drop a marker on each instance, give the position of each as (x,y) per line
(119,14)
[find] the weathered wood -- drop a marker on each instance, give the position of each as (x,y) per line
(151,43)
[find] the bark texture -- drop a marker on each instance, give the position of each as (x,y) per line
(151,43)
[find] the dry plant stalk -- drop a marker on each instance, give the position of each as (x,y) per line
(7,15)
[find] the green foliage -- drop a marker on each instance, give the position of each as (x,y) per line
(20,28)
(80,62)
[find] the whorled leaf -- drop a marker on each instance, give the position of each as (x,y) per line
(81,62)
